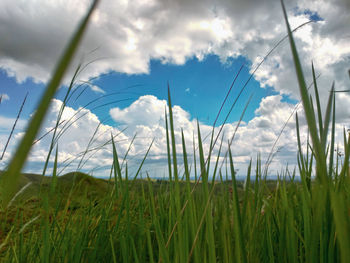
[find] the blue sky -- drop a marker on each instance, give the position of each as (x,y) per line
(195,46)
(199,87)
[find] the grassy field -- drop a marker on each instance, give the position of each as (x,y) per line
(78,218)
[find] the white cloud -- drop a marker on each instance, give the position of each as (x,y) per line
(4,97)
(7,123)
(125,35)
(147,110)
(97,89)
(145,118)
(72,143)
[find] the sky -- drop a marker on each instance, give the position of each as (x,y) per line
(134,50)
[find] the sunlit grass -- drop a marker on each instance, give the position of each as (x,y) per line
(78,218)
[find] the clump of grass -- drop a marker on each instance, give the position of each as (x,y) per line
(78,218)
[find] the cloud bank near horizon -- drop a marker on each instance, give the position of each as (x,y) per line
(145,118)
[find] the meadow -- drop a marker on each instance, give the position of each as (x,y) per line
(216,218)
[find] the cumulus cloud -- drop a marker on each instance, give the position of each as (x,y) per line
(147,110)
(261,135)
(144,118)
(4,97)
(75,141)
(124,35)
(97,89)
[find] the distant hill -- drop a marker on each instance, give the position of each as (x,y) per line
(84,188)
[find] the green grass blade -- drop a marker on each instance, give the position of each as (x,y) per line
(113,250)
(319,112)
(168,145)
(11,176)
(160,239)
(341,218)
(331,153)
(217,160)
(54,173)
(172,135)
(194,158)
(327,118)
(310,117)
(59,116)
(208,215)
(128,150)
(246,190)
(241,256)
(143,161)
(181,253)
(345,168)
(116,169)
(14,126)
(191,208)
(187,172)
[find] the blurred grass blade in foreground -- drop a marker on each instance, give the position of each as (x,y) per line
(10,178)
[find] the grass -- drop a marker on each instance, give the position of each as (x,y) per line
(78,218)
